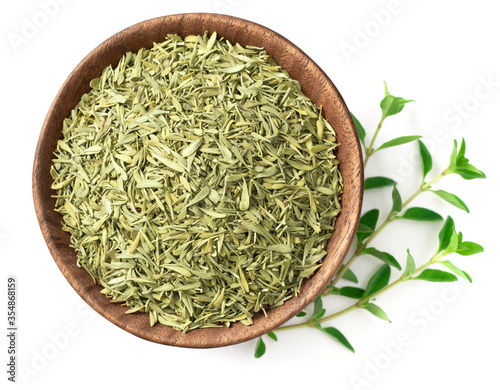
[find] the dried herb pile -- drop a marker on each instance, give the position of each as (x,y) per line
(198,183)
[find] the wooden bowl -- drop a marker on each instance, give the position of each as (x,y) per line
(316,85)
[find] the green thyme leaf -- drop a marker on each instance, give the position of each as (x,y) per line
(435,275)
(448,264)
(469,172)
(421,214)
(369,219)
(348,274)
(468,248)
(460,165)
(392,105)
(453,157)
(445,233)
(351,292)
(318,310)
(461,159)
(453,244)
(410,264)
(379,280)
(384,256)
(359,128)
(260,348)
(397,204)
(425,158)
(386,89)
(364,229)
(318,305)
(376,311)
(398,141)
(337,335)
(272,335)
(452,199)
(378,182)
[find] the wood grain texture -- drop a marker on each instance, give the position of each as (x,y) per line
(316,85)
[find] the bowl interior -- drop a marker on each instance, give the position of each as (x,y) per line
(316,85)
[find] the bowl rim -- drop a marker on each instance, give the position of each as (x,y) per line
(133,323)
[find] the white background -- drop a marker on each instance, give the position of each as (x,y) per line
(438,53)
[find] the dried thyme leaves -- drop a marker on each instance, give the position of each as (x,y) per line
(198,183)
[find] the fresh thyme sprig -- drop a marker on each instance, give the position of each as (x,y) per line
(450,242)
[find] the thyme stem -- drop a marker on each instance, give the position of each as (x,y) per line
(369,150)
(390,218)
(359,304)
